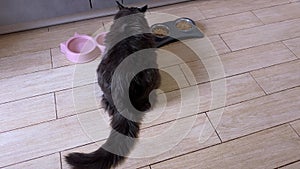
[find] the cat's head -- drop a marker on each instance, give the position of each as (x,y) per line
(124,11)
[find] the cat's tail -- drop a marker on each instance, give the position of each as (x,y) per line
(113,151)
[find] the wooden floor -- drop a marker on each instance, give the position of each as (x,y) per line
(49,108)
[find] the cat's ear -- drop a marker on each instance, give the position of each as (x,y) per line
(143,9)
(120,5)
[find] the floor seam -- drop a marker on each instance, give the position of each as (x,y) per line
(230,31)
(258,17)
(228,76)
(35,158)
(154,124)
(220,35)
(288,164)
(61,90)
(195,149)
(294,129)
(51,55)
(258,83)
(185,76)
(214,127)
(55,105)
(225,44)
(230,140)
(289,48)
(276,41)
(174,156)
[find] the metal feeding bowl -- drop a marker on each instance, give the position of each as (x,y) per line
(184,24)
(172,31)
(160,30)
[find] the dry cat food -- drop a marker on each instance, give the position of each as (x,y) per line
(175,30)
(160,30)
(184,24)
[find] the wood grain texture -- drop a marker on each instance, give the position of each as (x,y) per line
(59,59)
(262,34)
(172,78)
(47,81)
(176,49)
(259,114)
(278,13)
(296,126)
(255,58)
(188,9)
(87,98)
(242,87)
(219,44)
(31,137)
(82,149)
(229,23)
(24,63)
(18,43)
(267,149)
(240,62)
(88,26)
(12,44)
(198,74)
(35,84)
(294,46)
(28,33)
(202,98)
(214,8)
(197,135)
(279,77)
(201,135)
(30,41)
(178,104)
(46,162)
(174,54)
(78,100)
(51,137)
(27,112)
(191,50)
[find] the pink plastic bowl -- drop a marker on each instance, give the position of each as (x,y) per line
(83,48)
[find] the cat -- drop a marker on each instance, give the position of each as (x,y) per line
(125,120)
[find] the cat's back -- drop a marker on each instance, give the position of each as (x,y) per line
(127,37)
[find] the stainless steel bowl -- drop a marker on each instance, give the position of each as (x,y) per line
(160,30)
(184,24)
